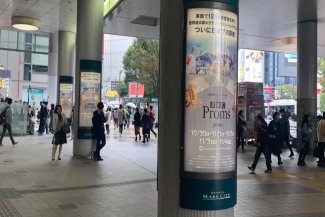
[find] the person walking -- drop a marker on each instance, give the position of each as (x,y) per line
(137,124)
(262,145)
(51,118)
(241,124)
(41,119)
(275,137)
(152,118)
(120,119)
(115,117)
(59,136)
(285,131)
(98,129)
(7,114)
(145,126)
(306,135)
(108,118)
(321,141)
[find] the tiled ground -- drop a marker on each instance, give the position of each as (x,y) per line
(124,184)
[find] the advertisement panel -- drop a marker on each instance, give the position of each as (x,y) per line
(209,167)
(287,65)
(90,85)
(140,90)
(251,66)
(66,98)
(132,90)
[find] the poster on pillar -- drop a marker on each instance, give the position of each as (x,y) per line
(66,98)
(90,85)
(210,110)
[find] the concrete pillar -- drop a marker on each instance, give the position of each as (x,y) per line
(88,73)
(171,150)
(66,69)
(170,108)
(53,69)
(307,60)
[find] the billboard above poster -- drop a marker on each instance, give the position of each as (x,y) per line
(287,65)
(251,66)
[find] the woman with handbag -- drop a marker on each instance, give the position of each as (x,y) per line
(306,134)
(60,128)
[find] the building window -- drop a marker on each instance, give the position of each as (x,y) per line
(37,69)
(27,72)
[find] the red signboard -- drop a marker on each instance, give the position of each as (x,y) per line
(136,90)
(132,90)
(140,90)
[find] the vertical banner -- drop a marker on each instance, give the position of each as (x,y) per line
(208,179)
(132,90)
(140,90)
(90,85)
(66,98)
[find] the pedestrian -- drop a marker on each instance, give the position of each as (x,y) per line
(321,141)
(285,131)
(115,117)
(72,122)
(59,137)
(121,118)
(137,124)
(275,137)
(306,135)
(145,121)
(241,124)
(108,118)
(262,144)
(46,116)
(7,114)
(98,129)
(51,118)
(152,118)
(31,123)
(40,117)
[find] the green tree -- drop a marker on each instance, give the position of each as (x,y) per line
(122,89)
(321,71)
(141,64)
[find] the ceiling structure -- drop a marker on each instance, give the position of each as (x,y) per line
(54,15)
(260,22)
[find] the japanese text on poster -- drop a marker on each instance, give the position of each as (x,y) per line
(89,97)
(210,99)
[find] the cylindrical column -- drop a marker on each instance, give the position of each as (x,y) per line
(197,167)
(307,69)
(88,73)
(67,43)
(53,69)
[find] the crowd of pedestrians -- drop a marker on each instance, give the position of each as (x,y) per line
(270,139)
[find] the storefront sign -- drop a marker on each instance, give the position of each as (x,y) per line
(90,85)
(209,170)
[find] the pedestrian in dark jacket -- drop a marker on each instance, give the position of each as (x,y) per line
(306,135)
(241,124)
(285,131)
(262,146)
(275,137)
(98,130)
(145,125)
(137,124)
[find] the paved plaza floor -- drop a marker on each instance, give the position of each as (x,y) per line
(124,184)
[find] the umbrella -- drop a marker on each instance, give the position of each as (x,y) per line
(131,105)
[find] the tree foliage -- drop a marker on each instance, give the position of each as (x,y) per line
(141,64)
(287,91)
(122,89)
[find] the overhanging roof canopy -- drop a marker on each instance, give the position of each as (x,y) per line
(261,22)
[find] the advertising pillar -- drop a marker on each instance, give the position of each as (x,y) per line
(209,165)
(88,73)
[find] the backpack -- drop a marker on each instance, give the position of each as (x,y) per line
(3,118)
